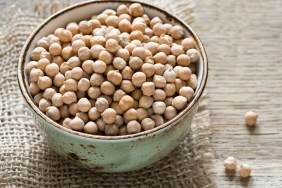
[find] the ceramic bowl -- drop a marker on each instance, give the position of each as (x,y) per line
(111,153)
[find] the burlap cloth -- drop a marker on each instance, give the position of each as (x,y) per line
(27,161)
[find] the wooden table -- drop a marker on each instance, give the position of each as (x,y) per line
(243,39)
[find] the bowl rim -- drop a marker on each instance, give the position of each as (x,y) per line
(155,130)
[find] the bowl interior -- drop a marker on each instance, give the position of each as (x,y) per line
(84,11)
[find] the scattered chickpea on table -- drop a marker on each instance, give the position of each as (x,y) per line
(119,73)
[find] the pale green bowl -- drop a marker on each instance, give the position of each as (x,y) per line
(111,153)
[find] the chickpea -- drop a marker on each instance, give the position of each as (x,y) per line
(133,127)
(158,119)
(48,93)
(169,75)
(230,163)
(164,48)
(130,114)
(97,40)
(124,26)
(170,112)
(96,49)
(179,84)
(122,53)
(245,170)
(138,26)
(159,95)
(111,130)
(119,63)
(73,28)
(148,32)
(42,64)
(118,95)
(87,66)
(69,97)
(94,92)
(171,59)
(159,29)
(179,102)
(126,102)
(66,123)
(159,107)
(148,88)
(67,52)
(142,113)
(44,82)
(148,124)
(193,54)
(112,45)
(130,47)
(83,105)
(148,69)
(138,79)
(115,77)
(160,57)
(154,21)
(106,57)
(192,82)
(64,111)
(84,53)
(35,74)
(107,88)
(68,74)
(177,50)
(31,65)
(146,101)
(152,46)
(166,40)
(94,114)
(95,23)
(55,49)
(85,27)
(159,81)
(91,128)
(57,100)
(44,104)
(170,89)
(77,124)
(37,98)
(119,121)
(77,73)
(177,32)
(44,42)
(127,86)
(58,60)
(96,79)
(188,43)
(183,60)
(35,54)
(73,62)
(101,104)
(122,9)
(127,73)
(73,109)
(109,116)
(62,89)
(116,107)
(99,67)
(83,84)
(160,68)
(251,118)
(71,85)
(184,73)
(53,113)
(33,88)
(135,10)
(139,52)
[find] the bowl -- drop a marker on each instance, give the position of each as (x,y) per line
(111,153)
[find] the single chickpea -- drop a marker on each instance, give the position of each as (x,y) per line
(102,18)
(170,89)
(177,50)
(119,63)
(96,79)
(148,124)
(112,45)
(126,102)
(71,85)
(106,57)
(127,86)
(109,12)
(159,29)
(160,68)
(177,32)
(65,36)
(35,54)
(130,47)
(164,48)
(73,109)
(87,66)
(48,56)
(130,114)
(146,101)
(148,32)
(158,119)
(31,65)
(85,27)
(159,95)
(115,77)
(99,32)
(142,113)
(179,102)
(148,88)
(84,53)
(118,95)
(33,88)
(111,130)
(58,60)
(83,105)
(193,54)
(101,125)
(69,97)
(95,50)
(148,69)
(94,92)
(99,67)
(44,104)
(53,113)
(112,21)
(139,52)
(135,63)
(101,104)
(138,26)
(123,53)
(42,64)
(169,75)
(95,23)
(188,43)
(179,84)
(136,94)
(37,98)
(91,128)
(136,35)
(122,9)
(159,107)
(66,123)
(77,44)
(171,59)
(152,46)
(167,40)
(57,100)
(48,93)
(159,81)
(35,74)
(184,73)
(230,163)
(155,39)
(55,49)
(154,21)
(183,60)
(245,170)
(77,124)
(94,114)
(64,111)
(127,73)
(73,62)
(116,107)
(251,118)
(68,74)
(44,42)
(124,26)
(109,116)
(170,112)
(107,88)
(136,10)
(108,98)
(133,127)
(86,40)
(113,35)
(44,82)
(138,79)
(160,57)
(62,89)
(119,121)
(192,82)
(67,52)
(73,28)
(83,84)
(77,73)
(97,40)
(125,17)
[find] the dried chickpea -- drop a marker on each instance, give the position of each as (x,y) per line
(57,100)
(127,86)
(111,130)
(112,45)
(193,54)
(160,68)
(37,98)
(148,69)
(73,28)
(31,65)
(118,95)
(159,95)
(84,53)
(170,112)
(48,93)
(119,121)
(44,82)
(158,107)
(77,124)
(83,84)
(66,122)
(152,46)
(67,52)
(44,42)
(245,170)
(170,89)
(133,127)
(114,76)
(53,113)
(73,108)
(71,85)
(83,105)
(179,102)
(127,73)
(138,26)
(188,43)
(122,9)
(69,97)
(65,36)
(230,163)
(169,75)
(55,49)
(62,89)
(160,57)
(94,92)
(177,50)
(136,35)
(42,64)
(99,67)
(154,21)
(158,119)
(148,88)
(159,81)
(179,84)
(192,82)
(109,116)
(119,63)
(184,73)
(112,21)
(94,114)
(142,113)
(135,63)
(251,118)
(183,60)
(148,124)
(159,29)
(44,104)
(101,104)
(106,57)
(116,107)
(95,50)
(91,127)
(126,102)
(96,79)
(130,47)
(97,40)
(33,88)
(135,10)
(73,62)
(130,114)
(64,111)
(177,32)
(146,101)
(35,74)
(123,53)
(76,73)
(85,27)
(138,79)
(124,26)
(107,88)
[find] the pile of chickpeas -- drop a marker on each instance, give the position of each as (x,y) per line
(119,73)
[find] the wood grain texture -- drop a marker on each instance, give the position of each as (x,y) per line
(243,40)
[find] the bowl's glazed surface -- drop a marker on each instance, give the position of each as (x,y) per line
(105,153)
